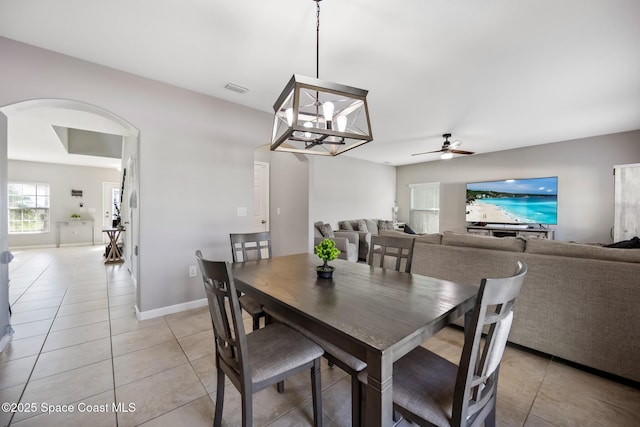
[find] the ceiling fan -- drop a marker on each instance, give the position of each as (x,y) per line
(448,148)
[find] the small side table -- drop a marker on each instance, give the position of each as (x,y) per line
(113,253)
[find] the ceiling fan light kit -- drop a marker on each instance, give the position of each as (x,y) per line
(448,149)
(318,117)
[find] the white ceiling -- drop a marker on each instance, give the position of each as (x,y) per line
(498,74)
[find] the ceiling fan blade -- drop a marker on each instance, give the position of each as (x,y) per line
(455,144)
(428,152)
(461,152)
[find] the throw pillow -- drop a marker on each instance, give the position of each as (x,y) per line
(327,231)
(408,230)
(385,225)
(362,226)
(345,225)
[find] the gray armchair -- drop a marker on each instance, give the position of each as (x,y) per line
(346,241)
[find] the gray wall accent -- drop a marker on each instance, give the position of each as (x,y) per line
(289,181)
(62,179)
(585,181)
(344,188)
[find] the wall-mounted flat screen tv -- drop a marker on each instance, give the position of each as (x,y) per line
(513,201)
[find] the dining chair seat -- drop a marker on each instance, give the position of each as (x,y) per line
(336,356)
(266,358)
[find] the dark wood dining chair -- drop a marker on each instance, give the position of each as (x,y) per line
(256,360)
(250,247)
(391,251)
(431,391)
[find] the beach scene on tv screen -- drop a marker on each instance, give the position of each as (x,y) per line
(513,201)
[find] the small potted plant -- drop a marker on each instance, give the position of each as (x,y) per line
(326,251)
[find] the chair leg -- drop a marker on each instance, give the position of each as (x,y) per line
(280,387)
(217,420)
(256,322)
(316,393)
(356,404)
(247,409)
(490,421)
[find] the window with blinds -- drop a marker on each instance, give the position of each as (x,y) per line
(425,207)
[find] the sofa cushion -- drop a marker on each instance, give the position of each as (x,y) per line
(433,238)
(509,244)
(327,231)
(385,225)
(577,250)
(345,225)
(372,226)
(362,226)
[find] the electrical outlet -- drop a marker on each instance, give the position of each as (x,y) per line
(193,272)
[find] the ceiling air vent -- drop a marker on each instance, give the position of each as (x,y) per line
(235,88)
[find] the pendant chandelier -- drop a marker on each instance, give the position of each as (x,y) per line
(318,117)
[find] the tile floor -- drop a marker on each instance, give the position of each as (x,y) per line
(78,345)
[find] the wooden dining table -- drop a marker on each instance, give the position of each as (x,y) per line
(377,315)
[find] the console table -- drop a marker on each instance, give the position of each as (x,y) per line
(485,230)
(75,222)
(113,254)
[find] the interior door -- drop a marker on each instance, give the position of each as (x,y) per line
(260,196)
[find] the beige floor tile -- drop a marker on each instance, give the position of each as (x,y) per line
(80,319)
(198,413)
(508,415)
(68,387)
(68,358)
(141,338)
(198,345)
(84,296)
(130,323)
(571,397)
(19,317)
(158,394)
(9,395)
(96,411)
(122,290)
(143,363)
(19,348)
(35,294)
(127,299)
(82,307)
(74,336)
(15,372)
(521,375)
(78,289)
(37,304)
(31,329)
(189,325)
(122,311)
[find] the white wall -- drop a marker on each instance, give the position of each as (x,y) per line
(196,160)
(62,179)
(343,188)
(585,181)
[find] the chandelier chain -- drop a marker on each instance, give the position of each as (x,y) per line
(317,38)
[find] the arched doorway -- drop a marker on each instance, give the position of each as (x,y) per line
(51,115)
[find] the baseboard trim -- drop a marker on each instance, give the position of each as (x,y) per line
(176,308)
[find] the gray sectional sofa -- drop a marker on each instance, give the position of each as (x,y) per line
(365,229)
(579,302)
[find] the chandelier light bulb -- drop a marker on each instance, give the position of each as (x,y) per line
(327,109)
(342,123)
(307,125)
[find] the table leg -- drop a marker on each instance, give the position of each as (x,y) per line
(379,410)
